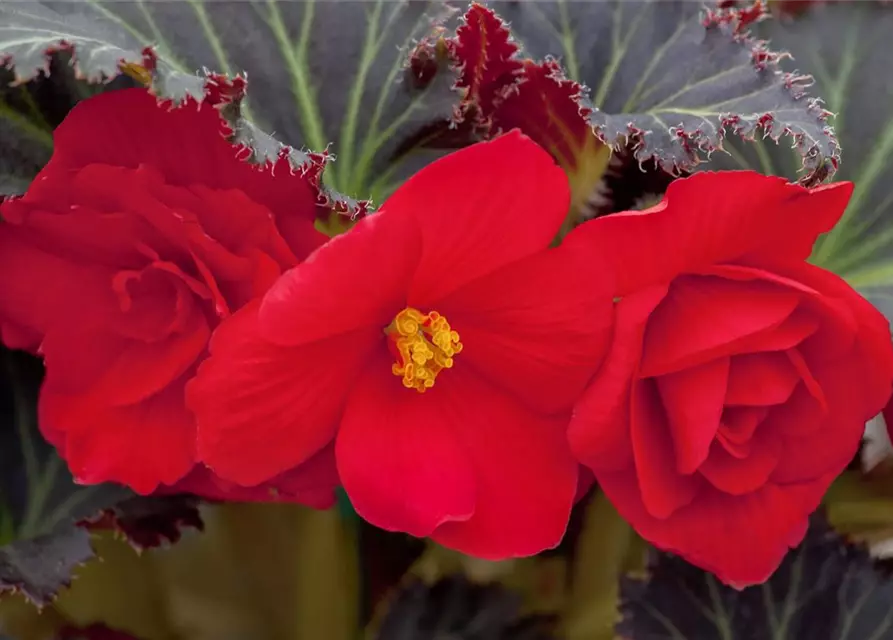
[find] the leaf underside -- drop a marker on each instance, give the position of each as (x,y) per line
(671,80)
(320,73)
(824,590)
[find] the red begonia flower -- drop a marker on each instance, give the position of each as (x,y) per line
(740,377)
(143,231)
(440,343)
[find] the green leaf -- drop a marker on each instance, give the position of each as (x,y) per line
(41,506)
(843,46)
(36,490)
(319,72)
(41,566)
(29,112)
(671,80)
(458,609)
(825,589)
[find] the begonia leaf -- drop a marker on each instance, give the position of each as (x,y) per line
(843,46)
(45,517)
(319,73)
(455,608)
(825,588)
(29,111)
(668,79)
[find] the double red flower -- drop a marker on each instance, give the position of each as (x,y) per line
(440,343)
(143,231)
(454,364)
(740,377)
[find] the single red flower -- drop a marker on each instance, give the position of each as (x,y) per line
(440,343)
(740,377)
(143,231)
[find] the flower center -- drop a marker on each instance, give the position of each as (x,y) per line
(423,345)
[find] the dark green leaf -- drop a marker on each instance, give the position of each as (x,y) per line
(844,47)
(37,494)
(457,609)
(30,111)
(40,567)
(40,504)
(671,80)
(319,72)
(824,590)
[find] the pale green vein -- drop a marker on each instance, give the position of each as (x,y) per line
(618,51)
(26,126)
(296,62)
(667,102)
(160,43)
(371,45)
(721,619)
(790,601)
(877,162)
(210,32)
(372,139)
(671,628)
(568,42)
(652,65)
(763,157)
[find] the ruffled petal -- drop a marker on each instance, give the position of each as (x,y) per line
(53,288)
(693,401)
(715,217)
(263,409)
(141,445)
(761,379)
(664,490)
(738,476)
(705,317)
(740,539)
(127,128)
(599,429)
(399,457)
(538,328)
(480,209)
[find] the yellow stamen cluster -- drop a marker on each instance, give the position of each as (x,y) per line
(424,344)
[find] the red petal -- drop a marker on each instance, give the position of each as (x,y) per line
(712,218)
(761,379)
(833,440)
(741,539)
(693,400)
(356,280)
(312,484)
(738,476)
(525,475)
(599,429)
(664,489)
(96,367)
(480,209)
(399,457)
(263,409)
(140,445)
(737,427)
(705,317)
(63,286)
(126,128)
(538,328)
